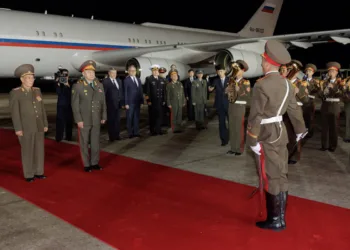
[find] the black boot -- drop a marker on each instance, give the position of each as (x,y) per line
(273,220)
(283,199)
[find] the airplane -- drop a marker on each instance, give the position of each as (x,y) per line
(51,41)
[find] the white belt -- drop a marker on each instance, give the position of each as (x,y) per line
(240,102)
(332,100)
(312,96)
(271,120)
(300,103)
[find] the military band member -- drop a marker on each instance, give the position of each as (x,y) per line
(301,94)
(313,86)
(238,92)
(30,122)
(175,101)
(331,92)
(266,134)
(284,70)
(346,100)
(199,99)
(155,87)
(90,111)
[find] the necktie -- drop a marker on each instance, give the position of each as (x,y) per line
(223,82)
(91,85)
(135,81)
(115,83)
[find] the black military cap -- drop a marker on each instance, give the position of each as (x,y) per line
(276,53)
(88,65)
(242,65)
(162,70)
(23,70)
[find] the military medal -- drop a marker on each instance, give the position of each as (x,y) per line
(38,98)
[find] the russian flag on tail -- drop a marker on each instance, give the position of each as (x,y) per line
(269,8)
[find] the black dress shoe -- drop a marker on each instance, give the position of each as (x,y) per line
(224,143)
(137,135)
(292,162)
(323,149)
(237,153)
(331,149)
(30,179)
(96,167)
(273,219)
(230,152)
(41,177)
(88,169)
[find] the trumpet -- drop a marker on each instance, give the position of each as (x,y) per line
(231,87)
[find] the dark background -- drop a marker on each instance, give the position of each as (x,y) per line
(296,16)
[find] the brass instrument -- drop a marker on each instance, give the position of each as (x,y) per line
(293,68)
(231,86)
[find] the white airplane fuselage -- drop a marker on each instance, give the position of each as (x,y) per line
(50,41)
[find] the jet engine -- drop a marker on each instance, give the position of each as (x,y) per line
(143,65)
(225,57)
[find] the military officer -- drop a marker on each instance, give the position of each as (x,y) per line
(199,91)
(331,92)
(238,93)
(166,111)
(30,122)
(266,134)
(175,101)
(301,94)
(155,96)
(313,86)
(89,111)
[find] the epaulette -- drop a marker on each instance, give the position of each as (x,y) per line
(246,82)
(17,88)
(81,81)
(35,88)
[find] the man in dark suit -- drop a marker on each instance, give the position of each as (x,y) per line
(133,101)
(221,102)
(115,101)
(188,94)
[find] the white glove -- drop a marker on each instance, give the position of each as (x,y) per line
(301,136)
(256,148)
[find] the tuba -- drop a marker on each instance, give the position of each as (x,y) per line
(294,68)
(231,87)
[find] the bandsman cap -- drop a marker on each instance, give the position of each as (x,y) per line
(333,65)
(276,53)
(311,66)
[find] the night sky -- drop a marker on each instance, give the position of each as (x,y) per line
(296,17)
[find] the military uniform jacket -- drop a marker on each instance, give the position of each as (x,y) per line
(88,103)
(243,94)
(175,93)
(199,91)
(346,90)
(335,92)
(268,95)
(155,90)
(28,110)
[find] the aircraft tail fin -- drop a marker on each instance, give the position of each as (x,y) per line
(263,22)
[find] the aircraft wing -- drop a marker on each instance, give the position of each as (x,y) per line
(301,40)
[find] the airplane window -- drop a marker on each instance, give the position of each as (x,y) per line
(61,35)
(133,40)
(161,42)
(164,42)
(55,34)
(145,40)
(43,33)
(130,40)
(37,33)
(149,41)
(137,40)
(157,42)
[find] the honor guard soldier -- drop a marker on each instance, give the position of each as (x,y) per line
(155,91)
(238,94)
(331,92)
(30,122)
(301,95)
(89,111)
(199,99)
(273,96)
(175,101)
(346,100)
(313,86)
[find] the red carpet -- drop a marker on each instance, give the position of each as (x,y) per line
(133,204)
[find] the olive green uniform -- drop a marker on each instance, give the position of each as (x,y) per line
(346,100)
(330,110)
(29,116)
(175,99)
(236,114)
(199,99)
(302,99)
(309,107)
(89,107)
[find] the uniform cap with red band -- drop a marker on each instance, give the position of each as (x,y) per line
(88,65)
(333,65)
(276,53)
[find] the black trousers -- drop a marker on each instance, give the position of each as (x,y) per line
(156,115)
(113,123)
(64,122)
